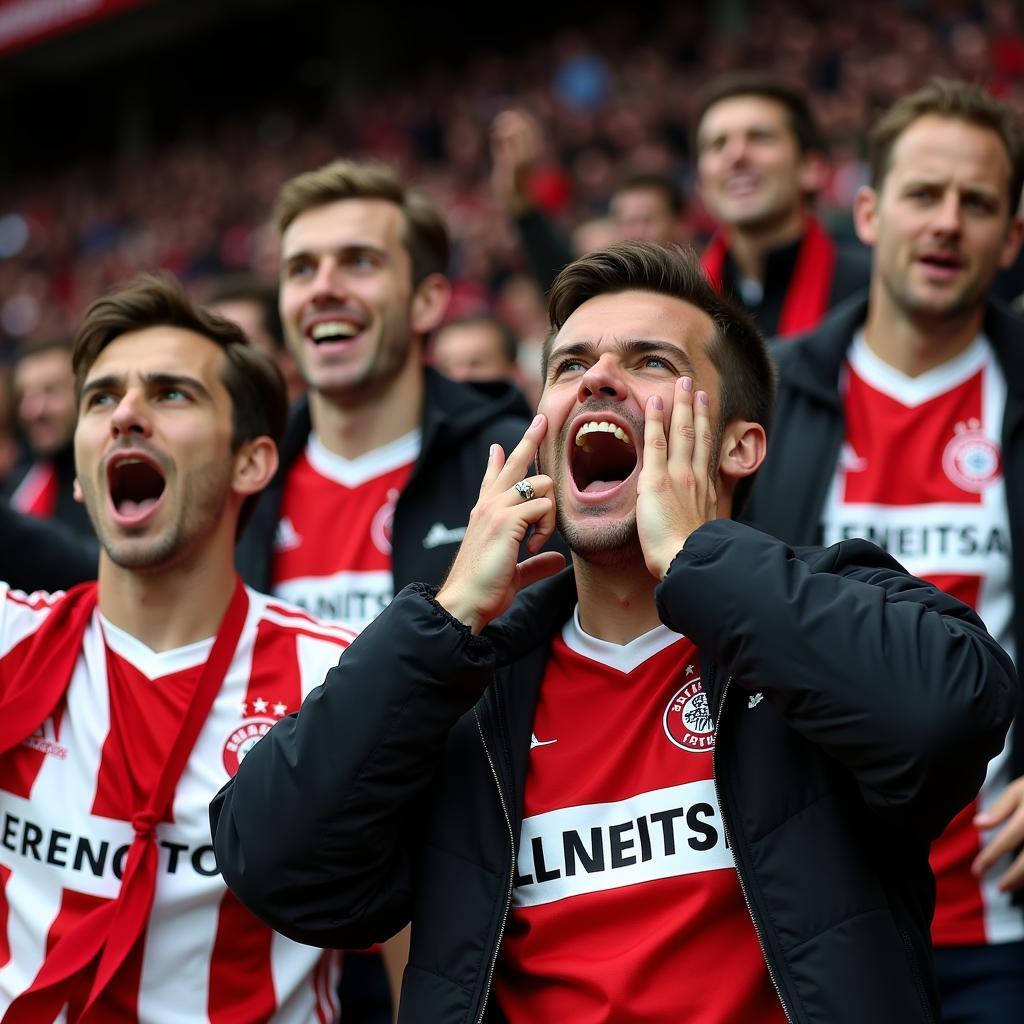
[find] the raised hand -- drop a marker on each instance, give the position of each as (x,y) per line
(516,147)
(487,574)
(675,489)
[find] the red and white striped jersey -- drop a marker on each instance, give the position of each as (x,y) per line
(626,903)
(920,474)
(68,792)
(332,552)
(36,495)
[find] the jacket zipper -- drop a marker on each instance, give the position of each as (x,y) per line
(511,874)
(918,984)
(732,846)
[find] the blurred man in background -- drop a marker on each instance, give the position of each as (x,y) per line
(899,421)
(760,161)
(644,207)
(252,305)
(44,394)
(475,348)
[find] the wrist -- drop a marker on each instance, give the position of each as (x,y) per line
(458,606)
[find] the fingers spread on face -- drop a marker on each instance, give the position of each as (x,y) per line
(518,464)
(681,449)
(655,442)
(702,440)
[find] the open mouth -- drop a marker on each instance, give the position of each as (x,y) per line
(602,457)
(328,332)
(136,486)
(941,261)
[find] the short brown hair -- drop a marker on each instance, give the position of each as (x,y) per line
(956,101)
(757,83)
(737,350)
(255,384)
(425,235)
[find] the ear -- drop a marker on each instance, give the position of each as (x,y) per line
(812,172)
(865,215)
(1011,244)
(76,492)
(744,446)
(255,465)
(430,303)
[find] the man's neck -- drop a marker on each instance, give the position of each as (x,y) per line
(351,428)
(915,344)
(171,608)
(750,246)
(616,601)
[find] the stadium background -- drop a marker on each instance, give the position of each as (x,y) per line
(155,133)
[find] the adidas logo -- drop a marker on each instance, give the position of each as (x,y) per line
(440,534)
(285,538)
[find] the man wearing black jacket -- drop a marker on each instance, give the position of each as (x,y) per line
(697,774)
(900,420)
(380,467)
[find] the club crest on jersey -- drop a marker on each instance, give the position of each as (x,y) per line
(687,719)
(380,528)
(243,738)
(971,460)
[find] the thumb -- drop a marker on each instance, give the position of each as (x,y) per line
(538,567)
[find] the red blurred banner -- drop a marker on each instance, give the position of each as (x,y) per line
(24,22)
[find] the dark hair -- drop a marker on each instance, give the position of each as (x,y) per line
(509,341)
(245,288)
(737,350)
(425,235)
(757,83)
(670,189)
(956,101)
(257,389)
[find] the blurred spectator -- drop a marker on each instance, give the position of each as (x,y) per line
(647,206)
(252,305)
(43,483)
(650,207)
(477,347)
(760,163)
(9,448)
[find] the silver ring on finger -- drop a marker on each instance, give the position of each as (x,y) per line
(525,490)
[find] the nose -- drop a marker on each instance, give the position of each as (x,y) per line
(328,283)
(734,150)
(602,380)
(131,416)
(948,214)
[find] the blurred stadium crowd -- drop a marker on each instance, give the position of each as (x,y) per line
(198,206)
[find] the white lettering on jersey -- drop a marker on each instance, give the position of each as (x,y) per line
(355,598)
(596,847)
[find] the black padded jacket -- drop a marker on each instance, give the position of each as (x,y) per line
(401,800)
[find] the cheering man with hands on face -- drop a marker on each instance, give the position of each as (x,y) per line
(597,792)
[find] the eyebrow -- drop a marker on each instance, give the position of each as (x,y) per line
(626,346)
(348,248)
(176,380)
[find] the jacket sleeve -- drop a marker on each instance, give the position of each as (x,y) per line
(312,833)
(44,554)
(887,674)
